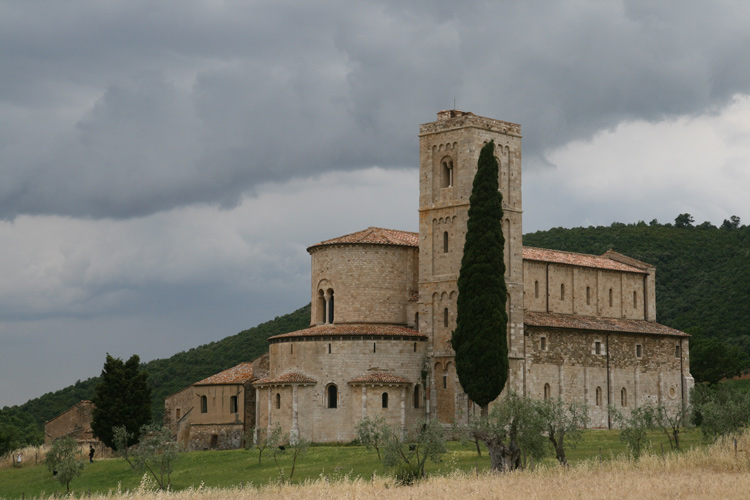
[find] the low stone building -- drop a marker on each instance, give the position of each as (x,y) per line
(581,327)
(217,411)
(74,422)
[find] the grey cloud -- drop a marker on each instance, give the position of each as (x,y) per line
(134,108)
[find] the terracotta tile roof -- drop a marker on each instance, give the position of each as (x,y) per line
(352,331)
(577,259)
(572,321)
(236,375)
(379,378)
(287,378)
(374,236)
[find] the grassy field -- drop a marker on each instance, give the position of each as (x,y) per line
(227,469)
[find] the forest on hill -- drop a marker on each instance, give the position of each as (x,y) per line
(702,287)
(24,424)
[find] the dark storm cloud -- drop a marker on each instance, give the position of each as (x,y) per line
(129,108)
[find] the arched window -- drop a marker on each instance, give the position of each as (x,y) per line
(332,393)
(624,397)
(446,174)
(233,404)
(598,396)
(536,289)
(547,391)
(321,304)
(384,400)
(445,317)
(278,401)
(562,291)
(204,404)
(445,241)
(588,295)
(416,396)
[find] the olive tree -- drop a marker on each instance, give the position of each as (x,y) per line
(63,460)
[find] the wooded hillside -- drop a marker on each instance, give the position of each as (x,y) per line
(25,423)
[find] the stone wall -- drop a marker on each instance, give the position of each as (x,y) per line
(339,364)
(566,289)
(371,283)
(74,422)
(627,369)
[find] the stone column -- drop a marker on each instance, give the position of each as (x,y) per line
(257,415)
(403,411)
(294,432)
(364,402)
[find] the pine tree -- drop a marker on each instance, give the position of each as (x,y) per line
(122,398)
(479,339)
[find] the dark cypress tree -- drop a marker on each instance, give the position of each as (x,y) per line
(123,397)
(479,339)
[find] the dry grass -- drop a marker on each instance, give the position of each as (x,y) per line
(703,473)
(35,454)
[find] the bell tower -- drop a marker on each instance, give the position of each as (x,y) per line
(448,153)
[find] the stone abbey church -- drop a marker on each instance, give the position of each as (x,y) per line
(581,327)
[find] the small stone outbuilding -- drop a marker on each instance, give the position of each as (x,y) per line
(216,412)
(74,422)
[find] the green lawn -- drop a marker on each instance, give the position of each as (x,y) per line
(229,468)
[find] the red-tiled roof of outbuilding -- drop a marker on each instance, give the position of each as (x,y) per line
(379,378)
(576,322)
(286,378)
(374,236)
(577,259)
(352,331)
(236,375)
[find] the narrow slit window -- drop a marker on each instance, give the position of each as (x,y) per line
(635,300)
(333,396)
(638,351)
(445,242)
(610,298)
(445,317)
(536,289)
(233,404)
(624,397)
(416,396)
(543,343)
(547,391)
(384,400)
(588,295)
(445,381)
(278,401)
(598,396)
(562,291)
(204,404)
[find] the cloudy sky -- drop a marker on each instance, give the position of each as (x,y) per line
(165,163)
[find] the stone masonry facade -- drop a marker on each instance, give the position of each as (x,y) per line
(581,327)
